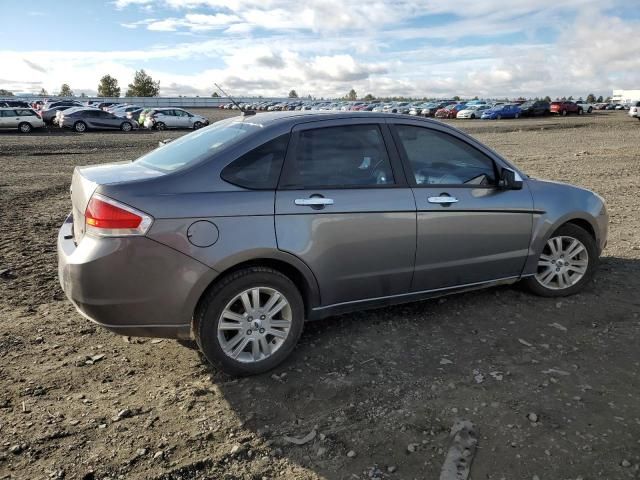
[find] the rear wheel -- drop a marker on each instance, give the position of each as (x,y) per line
(564,113)
(566,264)
(498,117)
(161,126)
(250,321)
(24,127)
(517,115)
(80,127)
(126,127)
(590,110)
(580,111)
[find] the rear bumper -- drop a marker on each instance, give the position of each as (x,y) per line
(131,285)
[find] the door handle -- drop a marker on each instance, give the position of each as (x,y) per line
(314,201)
(442,199)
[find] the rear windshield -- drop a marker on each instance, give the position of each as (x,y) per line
(199,145)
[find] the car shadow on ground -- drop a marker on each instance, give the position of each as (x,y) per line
(387,384)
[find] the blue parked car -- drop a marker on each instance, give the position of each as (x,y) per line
(502,111)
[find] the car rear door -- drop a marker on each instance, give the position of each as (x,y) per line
(469,231)
(343,206)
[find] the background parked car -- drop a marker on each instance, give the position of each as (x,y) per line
(24,119)
(535,108)
(14,103)
(586,107)
(49,114)
(450,111)
(82,119)
(565,108)
(634,110)
(472,111)
(509,110)
(163,118)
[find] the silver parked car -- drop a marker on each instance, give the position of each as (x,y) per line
(163,118)
(237,233)
(23,119)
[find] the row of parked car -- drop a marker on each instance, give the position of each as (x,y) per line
(96,116)
(441,109)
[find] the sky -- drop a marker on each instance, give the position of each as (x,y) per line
(324,48)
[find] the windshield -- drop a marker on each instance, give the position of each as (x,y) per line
(198,145)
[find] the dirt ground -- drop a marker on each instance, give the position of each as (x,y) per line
(385,386)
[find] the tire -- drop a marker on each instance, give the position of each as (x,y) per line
(80,127)
(564,113)
(160,126)
(473,117)
(580,111)
(498,117)
(590,110)
(517,115)
(223,297)
(25,127)
(126,127)
(197,125)
(569,233)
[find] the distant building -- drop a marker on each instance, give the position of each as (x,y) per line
(625,96)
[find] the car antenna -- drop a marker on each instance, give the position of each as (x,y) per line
(243,112)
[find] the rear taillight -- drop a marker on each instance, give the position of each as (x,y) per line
(106,217)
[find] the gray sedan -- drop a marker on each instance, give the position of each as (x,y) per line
(239,232)
(82,119)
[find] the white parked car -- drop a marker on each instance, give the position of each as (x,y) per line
(163,118)
(586,107)
(634,110)
(472,111)
(24,119)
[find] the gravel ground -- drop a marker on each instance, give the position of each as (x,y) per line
(551,386)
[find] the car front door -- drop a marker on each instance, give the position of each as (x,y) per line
(469,230)
(343,206)
(183,120)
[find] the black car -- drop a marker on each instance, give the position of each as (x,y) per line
(14,103)
(61,103)
(535,108)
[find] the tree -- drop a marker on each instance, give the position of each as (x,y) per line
(456,98)
(293,94)
(108,87)
(43,92)
(143,86)
(570,98)
(215,95)
(368,97)
(547,98)
(352,95)
(5,93)
(65,90)
(600,100)
(591,98)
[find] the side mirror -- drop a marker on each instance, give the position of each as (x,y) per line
(510,180)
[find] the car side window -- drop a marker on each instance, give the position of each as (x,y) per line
(437,158)
(25,113)
(344,156)
(8,113)
(260,168)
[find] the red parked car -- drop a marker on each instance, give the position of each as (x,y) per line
(450,111)
(565,108)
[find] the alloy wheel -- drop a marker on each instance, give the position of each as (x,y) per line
(254,324)
(563,263)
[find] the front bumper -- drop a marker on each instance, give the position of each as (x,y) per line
(131,285)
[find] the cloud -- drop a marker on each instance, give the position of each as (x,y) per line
(35,66)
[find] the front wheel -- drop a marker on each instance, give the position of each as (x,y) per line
(161,126)
(250,321)
(498,117)
(580,111)
(566,264)
(564,113)
(126,127)
(197,125)
(517,115)
(590,110)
